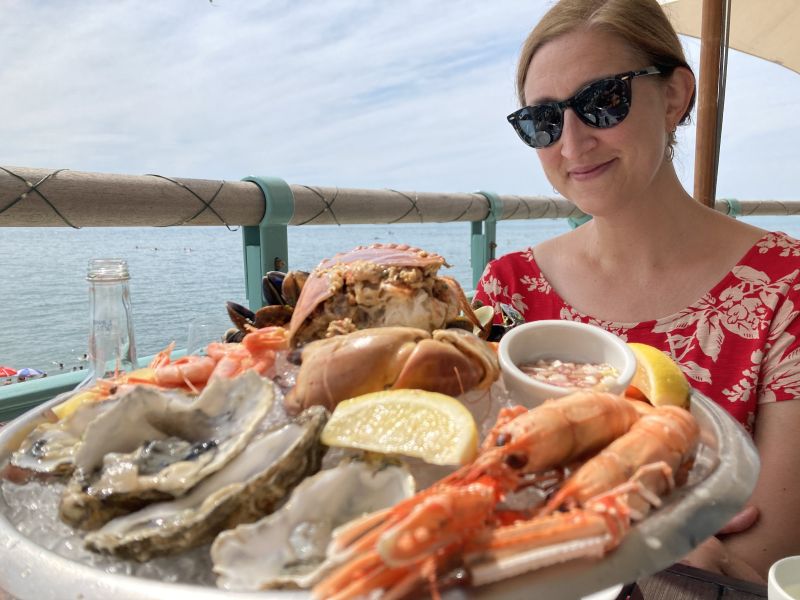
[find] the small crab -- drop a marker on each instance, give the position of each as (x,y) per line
(380,285)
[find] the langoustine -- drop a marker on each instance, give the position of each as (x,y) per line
(457,521)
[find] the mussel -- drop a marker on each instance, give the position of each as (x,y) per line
(279,293)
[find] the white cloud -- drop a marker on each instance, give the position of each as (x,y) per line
(409,95)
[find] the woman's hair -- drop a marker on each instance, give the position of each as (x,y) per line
(642,24)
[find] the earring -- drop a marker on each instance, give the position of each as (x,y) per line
(669,151)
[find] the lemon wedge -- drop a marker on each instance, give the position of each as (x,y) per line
(658,377)
(431,426)
(95,394)
(485,315)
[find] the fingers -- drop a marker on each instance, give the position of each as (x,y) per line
(741,521)
(735,567)
(712,556)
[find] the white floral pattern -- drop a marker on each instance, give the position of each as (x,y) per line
(738,343)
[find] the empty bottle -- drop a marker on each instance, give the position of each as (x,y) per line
(112,348)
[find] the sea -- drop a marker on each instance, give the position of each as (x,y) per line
(182,276)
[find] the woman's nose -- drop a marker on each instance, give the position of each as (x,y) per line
(577,137)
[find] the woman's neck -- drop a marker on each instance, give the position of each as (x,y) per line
(653,232)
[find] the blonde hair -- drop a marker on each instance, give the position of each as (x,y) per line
(642,24)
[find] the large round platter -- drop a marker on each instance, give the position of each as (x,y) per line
(721,481)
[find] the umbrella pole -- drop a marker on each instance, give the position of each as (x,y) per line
(705,165)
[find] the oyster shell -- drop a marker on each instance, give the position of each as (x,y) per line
(153,446)
(50,447)
(287,548)
(249,487)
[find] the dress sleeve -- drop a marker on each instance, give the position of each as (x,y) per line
(780,363)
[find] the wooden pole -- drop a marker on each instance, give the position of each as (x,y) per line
(705,164)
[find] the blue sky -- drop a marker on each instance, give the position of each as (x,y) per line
(407,95)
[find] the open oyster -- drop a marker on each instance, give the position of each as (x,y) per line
(153,446)
(287,548)
(247,488)
(50,447)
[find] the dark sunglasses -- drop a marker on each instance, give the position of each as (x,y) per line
(603,103)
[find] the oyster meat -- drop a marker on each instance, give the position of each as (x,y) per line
(287,548)
(249,487)
(153,446)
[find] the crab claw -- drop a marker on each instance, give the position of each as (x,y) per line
(334,369)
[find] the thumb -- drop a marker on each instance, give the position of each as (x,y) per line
(741,521)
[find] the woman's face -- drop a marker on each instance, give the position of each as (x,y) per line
(600,170)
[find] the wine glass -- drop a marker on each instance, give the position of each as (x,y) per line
(203,330)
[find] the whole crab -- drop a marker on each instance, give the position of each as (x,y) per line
(379,285)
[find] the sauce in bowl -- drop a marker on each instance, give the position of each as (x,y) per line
(571,375)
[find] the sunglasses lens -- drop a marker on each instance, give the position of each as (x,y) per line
(539,126)
(604,104)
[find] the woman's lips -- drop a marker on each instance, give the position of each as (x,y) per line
(589,172)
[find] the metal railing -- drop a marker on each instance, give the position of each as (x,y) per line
(264,207)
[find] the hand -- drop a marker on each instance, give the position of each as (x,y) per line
(713,556)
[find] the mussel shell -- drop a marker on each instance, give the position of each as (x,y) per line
(272,288)
(273,315)
(292,286)
(240,315)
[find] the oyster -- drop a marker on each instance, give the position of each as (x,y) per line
(153,446)
(287,548)
(246,489)
(50,447)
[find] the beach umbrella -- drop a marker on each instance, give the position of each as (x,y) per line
(29,372)
(767,30)
(7,372)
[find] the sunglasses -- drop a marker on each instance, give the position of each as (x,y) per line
(603,103)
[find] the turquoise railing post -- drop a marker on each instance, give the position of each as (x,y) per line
(266,245)
(484,236)
(734,207)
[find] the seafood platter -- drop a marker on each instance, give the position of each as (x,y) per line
(242,472)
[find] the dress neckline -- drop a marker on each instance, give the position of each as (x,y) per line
(714,290)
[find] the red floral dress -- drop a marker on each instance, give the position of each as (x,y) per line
(738,344)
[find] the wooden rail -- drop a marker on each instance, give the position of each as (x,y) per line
(57,198)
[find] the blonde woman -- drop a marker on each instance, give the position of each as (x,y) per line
(603,85)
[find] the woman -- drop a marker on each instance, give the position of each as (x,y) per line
(604,84)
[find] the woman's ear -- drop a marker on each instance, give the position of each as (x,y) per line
(680,90)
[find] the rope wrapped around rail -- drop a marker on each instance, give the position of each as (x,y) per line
(31,197)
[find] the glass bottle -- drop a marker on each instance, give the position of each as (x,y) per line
(112,348)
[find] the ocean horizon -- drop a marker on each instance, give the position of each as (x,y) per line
(182,274)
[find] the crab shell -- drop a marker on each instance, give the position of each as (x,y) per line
(388,297)
(449,361)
